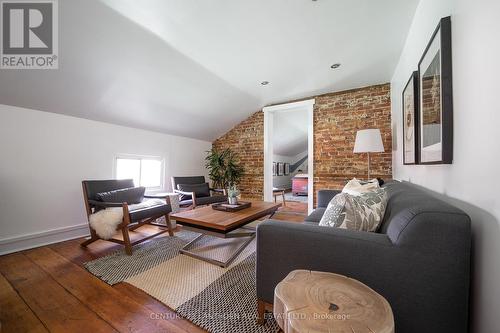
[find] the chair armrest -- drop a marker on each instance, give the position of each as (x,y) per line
(192,194)
(105,204)
(325,196)
(155,196)
(284,246)
(185,193)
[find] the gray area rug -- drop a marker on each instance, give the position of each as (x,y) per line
(298,198)
(119,266)
(220,300)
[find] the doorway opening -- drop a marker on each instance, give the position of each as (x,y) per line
(288,154)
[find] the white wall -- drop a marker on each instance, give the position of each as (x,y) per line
(304,167)
(282,181)
(286,181)
(45,156)
(471,182)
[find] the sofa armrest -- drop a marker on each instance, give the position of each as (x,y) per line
(325,196)
(284,246)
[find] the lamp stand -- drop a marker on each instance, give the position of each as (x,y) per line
(368,166)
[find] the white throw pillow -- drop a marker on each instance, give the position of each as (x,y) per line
(357,187)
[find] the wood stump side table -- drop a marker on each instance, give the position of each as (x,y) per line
(309,301)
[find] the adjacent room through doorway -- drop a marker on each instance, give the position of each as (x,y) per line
(288,153)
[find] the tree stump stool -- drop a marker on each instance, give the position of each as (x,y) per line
(309,301)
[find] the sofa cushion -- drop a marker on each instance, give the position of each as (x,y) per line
(131,195)
(325,196)
(200,190)
(363,212)
(153,210)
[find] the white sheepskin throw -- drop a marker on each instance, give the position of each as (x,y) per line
(105,221)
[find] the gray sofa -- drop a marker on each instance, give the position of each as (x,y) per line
(419,260)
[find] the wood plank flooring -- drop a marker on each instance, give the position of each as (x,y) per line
(47,290)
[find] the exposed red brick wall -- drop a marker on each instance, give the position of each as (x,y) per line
(337,117)
(247,139)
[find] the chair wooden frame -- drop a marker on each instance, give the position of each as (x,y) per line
(126,224)
(193,197)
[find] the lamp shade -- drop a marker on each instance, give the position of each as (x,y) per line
(368,141)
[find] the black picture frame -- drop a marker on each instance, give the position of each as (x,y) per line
(287,169)
(410,102)
(274,169)
(436,112)
(280,169)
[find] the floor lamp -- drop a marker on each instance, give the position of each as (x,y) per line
(368,141)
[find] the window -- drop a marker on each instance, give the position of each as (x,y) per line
(145,171)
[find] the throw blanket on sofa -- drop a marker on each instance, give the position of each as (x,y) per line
(105,221)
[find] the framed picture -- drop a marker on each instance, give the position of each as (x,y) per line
(436,98)
(280,169)
(410,120)
(287,169)
(274,168)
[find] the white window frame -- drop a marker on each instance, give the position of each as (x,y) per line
(142,157)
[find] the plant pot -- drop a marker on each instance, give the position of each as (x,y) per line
(232,200)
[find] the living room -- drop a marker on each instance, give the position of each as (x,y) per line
(146,184)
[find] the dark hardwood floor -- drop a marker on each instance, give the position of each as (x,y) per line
(46,289)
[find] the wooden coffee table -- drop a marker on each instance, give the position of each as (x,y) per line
(231,226)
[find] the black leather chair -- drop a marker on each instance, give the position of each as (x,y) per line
(215,195)
(132,219)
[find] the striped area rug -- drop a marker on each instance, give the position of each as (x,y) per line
(220,300)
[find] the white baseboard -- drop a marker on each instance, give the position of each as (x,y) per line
(29,241)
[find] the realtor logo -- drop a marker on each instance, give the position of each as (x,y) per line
(29,34)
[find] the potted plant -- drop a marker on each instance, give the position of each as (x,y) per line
(223,168)
(232,194)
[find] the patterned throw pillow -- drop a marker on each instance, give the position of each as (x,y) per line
(363,212)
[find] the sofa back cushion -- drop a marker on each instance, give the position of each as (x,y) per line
(92,187)
(132,195)
(408,205)
(187,180)
(200,190)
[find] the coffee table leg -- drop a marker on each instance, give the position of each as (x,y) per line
(191,242)
(185,250)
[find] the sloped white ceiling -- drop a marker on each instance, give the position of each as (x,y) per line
(290,132)
(193,68)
